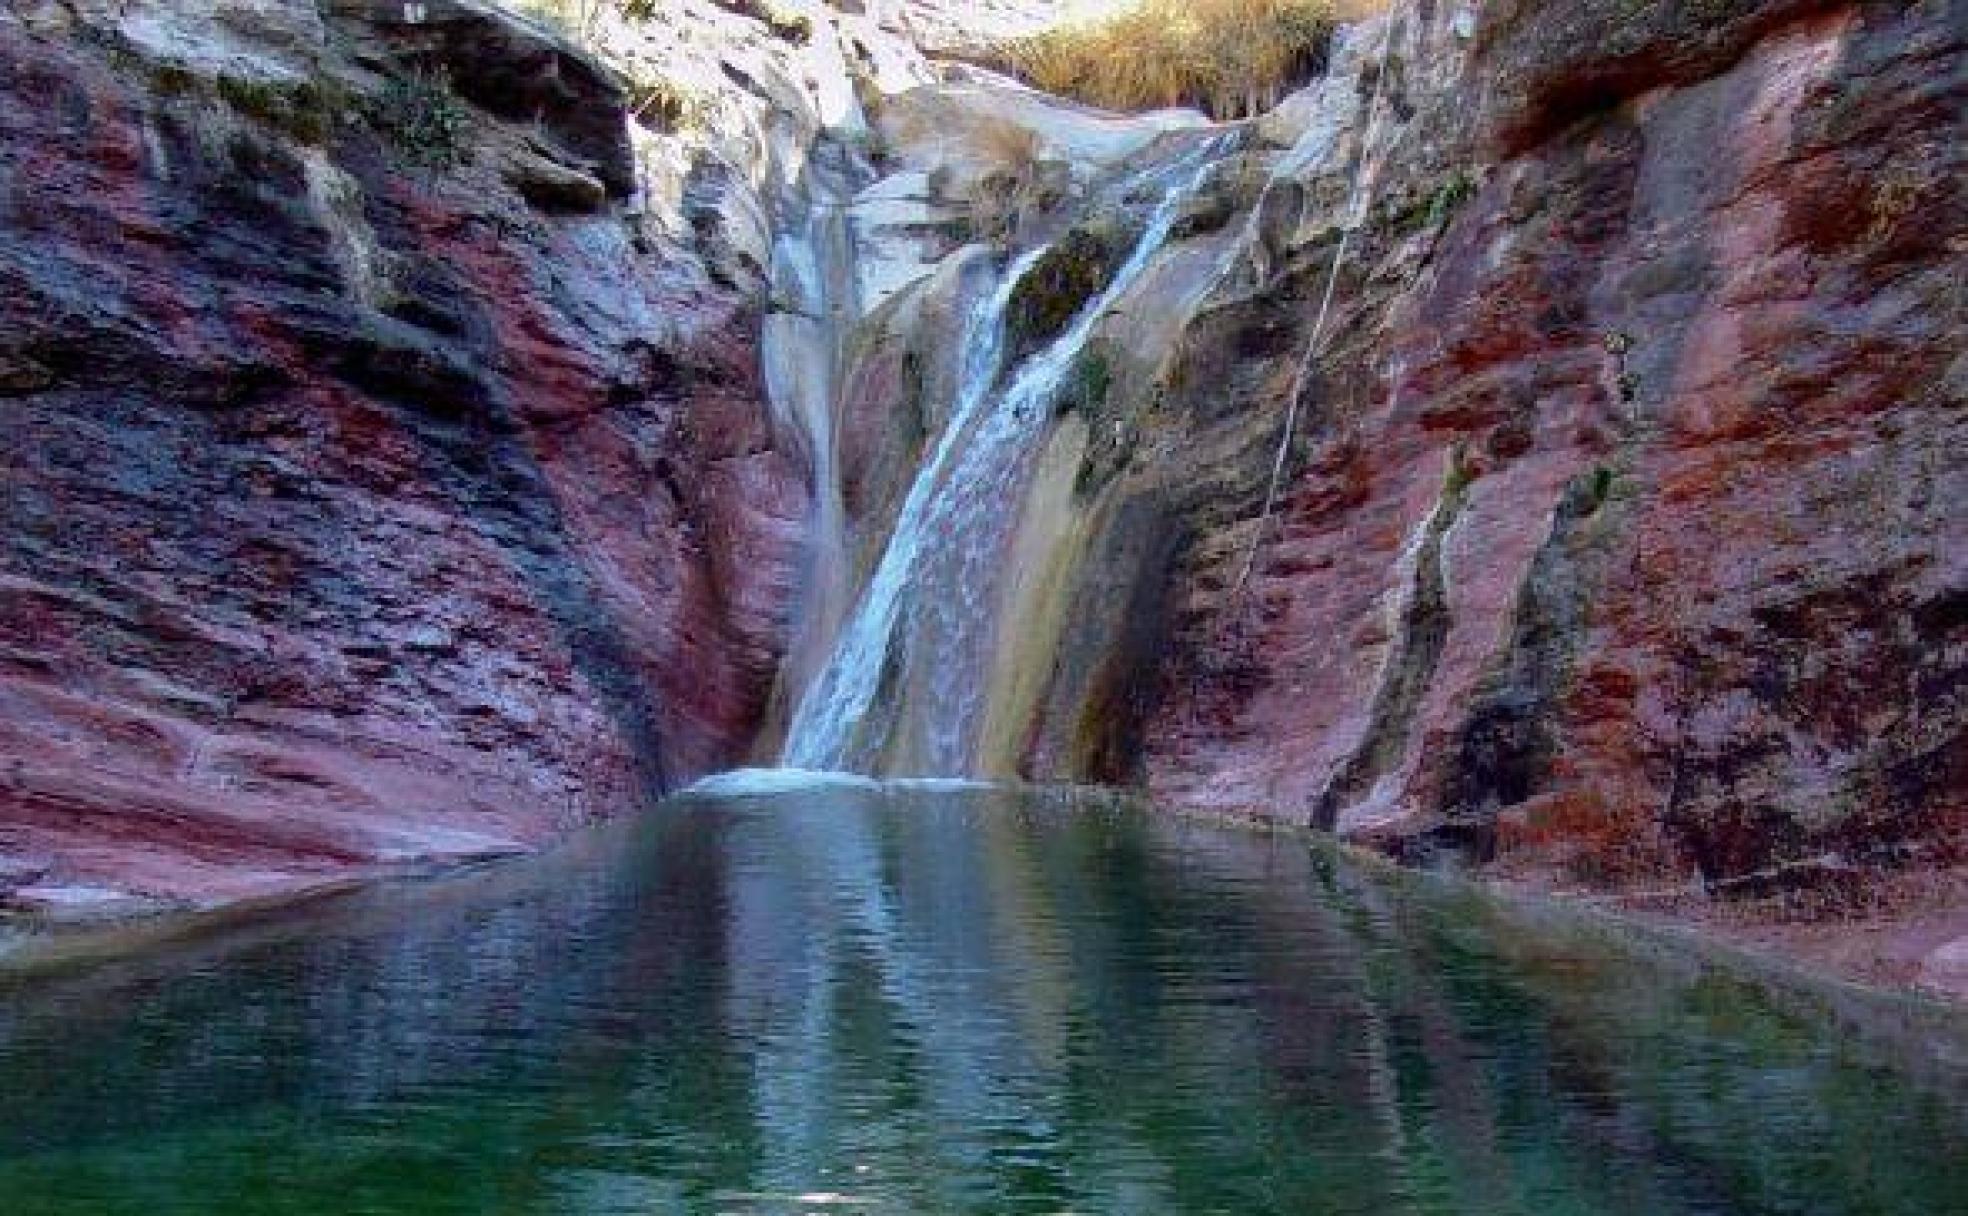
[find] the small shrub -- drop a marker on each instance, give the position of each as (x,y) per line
(1410,212)
(421,114)
(1449,199)
(1017,180)
(1462,473)
(786,23)
(667,106)
(1602,486)
(173,79)
(1895,198)
(1063,282)
(1086,388)
(1009,145)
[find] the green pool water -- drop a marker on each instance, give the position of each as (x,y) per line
(843,998)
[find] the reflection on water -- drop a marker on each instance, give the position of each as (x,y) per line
(920,1001)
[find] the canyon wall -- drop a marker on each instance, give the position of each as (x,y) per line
(1625,531)
(1618,545)
(1621,546)
(389,473)
(423,435)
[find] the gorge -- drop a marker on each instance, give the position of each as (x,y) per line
(1533,447)
(427,434)
(726,605)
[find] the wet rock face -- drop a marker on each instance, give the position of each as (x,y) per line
(1625,545)
(358,510)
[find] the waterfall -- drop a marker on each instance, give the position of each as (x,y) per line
(927,611)
(823,727)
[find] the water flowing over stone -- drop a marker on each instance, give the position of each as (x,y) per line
(928,612)
(823,728)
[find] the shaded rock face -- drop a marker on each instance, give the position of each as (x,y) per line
(358,510)
(1546,65)
(1624,543)
(516,71)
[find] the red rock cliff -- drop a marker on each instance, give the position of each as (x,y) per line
(378,488)
(1620,543)
(1624,544)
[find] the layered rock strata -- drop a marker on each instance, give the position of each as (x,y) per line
(389,471)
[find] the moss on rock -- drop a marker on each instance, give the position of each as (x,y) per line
(1070,275)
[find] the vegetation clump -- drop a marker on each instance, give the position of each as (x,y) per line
(1086,389)
(424,117)
(1230,58)
(1070,275)
(667,105)
(305,109)
(1430,210)
(784,22)
(1449,198)
(1461,474)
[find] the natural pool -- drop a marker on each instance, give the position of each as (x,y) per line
(922,1000)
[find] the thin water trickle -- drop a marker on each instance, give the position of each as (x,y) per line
(929,606)
(813,284)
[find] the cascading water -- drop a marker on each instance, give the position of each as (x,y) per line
(928,606)
(823,727)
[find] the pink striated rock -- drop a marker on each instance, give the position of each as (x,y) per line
(358,514)
(1627,548)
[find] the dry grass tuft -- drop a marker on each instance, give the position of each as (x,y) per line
(1230,58)
(1008,145)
